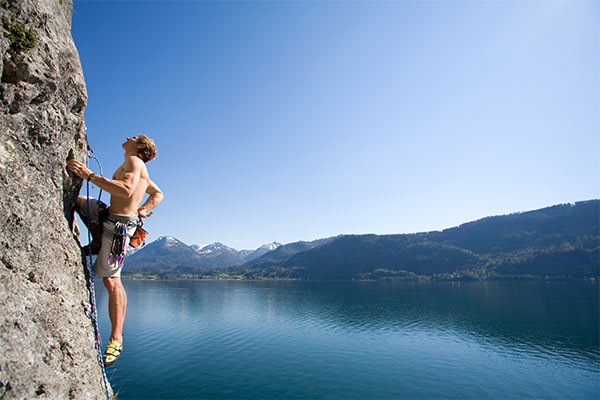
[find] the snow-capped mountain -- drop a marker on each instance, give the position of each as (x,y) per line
(218,249)
(169,241)
(265,248)
(165,253)
(217,255)
(169,253)
(214,248)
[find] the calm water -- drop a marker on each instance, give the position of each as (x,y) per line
(234,339)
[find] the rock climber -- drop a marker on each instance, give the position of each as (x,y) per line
(128,186)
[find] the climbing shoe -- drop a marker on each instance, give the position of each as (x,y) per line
(112,352)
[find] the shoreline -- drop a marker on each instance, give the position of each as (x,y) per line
(424,279)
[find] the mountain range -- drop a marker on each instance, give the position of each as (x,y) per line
(558,242)
(170,254)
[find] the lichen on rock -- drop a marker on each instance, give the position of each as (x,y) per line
(21,38)
(46,339)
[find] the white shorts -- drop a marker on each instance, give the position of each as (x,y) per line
(102,266)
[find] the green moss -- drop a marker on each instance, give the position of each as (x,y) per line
(21,38)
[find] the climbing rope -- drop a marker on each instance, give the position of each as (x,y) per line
(91,155)
(94,313)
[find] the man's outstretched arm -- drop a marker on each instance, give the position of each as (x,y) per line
(156,196)
(117,187)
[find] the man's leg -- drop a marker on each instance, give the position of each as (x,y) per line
(94,227)
(117,306)
(81,209)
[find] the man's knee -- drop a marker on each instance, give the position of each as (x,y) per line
(112,284)
(79,203)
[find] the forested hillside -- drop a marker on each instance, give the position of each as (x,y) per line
(559,242)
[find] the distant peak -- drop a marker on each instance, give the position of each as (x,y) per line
(213,247)
(168,240)
(270,246)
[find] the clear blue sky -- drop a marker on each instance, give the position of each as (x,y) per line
(297,120)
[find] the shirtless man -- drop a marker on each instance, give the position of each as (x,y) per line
(129,184)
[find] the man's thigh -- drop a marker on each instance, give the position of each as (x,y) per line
(105,266)
(89,209)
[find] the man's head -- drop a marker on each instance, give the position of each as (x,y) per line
(145,147)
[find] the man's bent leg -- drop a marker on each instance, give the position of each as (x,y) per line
(81,209)
(90,219)
(117,306)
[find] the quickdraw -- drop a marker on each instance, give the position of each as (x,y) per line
(119,243)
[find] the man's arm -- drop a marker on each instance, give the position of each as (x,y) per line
(117,187)
(156,196)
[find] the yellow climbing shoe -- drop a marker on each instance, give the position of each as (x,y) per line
(112,352)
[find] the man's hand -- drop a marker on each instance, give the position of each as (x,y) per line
(78,169)
(143,213)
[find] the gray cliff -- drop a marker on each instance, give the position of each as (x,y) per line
(46,339)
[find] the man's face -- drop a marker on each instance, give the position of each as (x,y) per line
(131,142)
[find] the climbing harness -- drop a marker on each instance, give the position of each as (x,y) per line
(94,313)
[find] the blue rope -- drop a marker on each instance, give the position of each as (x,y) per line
(94,313)
(91,155)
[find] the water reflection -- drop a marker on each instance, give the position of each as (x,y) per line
(235,339)
(557,316)
(554,316)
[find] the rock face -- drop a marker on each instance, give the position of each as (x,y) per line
(46,339)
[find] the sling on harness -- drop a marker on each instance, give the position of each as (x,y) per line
(119,242)
(118,248)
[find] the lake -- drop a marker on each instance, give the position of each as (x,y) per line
(354,340)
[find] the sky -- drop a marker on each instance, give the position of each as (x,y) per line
(298,120)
